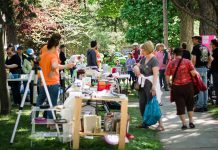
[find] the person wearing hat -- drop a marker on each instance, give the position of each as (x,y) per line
(136,52)
(201,59)
(21,55)
(28,64)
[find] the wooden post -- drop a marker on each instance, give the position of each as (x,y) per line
(76,124)
(123,123)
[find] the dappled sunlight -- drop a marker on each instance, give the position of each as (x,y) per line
(23,130)
(203,136)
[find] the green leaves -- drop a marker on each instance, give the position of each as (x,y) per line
(145,21)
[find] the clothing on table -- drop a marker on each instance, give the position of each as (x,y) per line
(186,54)
(91,58)
(62,58)
(202,54)
(183,74)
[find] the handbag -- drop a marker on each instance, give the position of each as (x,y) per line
(136,85)
(152,112)
(174,76)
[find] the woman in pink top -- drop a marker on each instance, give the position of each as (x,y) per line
(163,58)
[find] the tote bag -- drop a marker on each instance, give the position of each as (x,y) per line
(152,112)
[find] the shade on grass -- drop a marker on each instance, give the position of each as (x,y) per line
(144,139)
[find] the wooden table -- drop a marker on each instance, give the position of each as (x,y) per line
(77,122)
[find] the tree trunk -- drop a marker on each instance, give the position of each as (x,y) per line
(4,100)
(11,32)
(115,25)
(207,10)
(165,23)
(186,29)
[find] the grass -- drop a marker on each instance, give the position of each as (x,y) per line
(144,139)
(213,109)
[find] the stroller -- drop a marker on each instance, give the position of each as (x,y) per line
(210,87)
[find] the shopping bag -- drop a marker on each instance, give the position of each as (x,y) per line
(152,113)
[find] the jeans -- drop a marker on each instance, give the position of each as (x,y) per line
(53,92)
(202,96)
(132,76)
(162,79)
(215,84)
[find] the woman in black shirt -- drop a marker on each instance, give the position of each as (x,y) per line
(214,66)
(13,63)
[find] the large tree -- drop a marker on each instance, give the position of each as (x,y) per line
(10,12)
(145,21)
(206,11)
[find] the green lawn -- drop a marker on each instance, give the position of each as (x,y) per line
(145,139)
(214,110)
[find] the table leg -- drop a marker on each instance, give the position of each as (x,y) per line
(76,126)
(123,124)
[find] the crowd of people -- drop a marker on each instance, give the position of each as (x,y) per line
(146,60)
(176,70)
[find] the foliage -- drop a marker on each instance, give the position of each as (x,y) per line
(214,111)
(145,139)
(77,25)
(145,21)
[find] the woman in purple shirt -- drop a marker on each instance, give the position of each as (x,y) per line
(129,65)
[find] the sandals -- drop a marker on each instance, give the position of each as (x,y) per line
(160,128)
(130,136)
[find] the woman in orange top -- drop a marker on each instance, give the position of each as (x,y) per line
(98,56)
(50,66)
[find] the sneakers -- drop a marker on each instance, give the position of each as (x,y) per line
(199,110)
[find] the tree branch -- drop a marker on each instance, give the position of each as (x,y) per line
(211,23)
